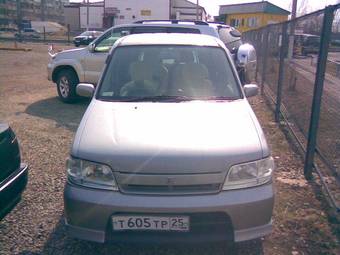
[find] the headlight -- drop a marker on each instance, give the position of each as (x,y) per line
(90,174)
(249,174)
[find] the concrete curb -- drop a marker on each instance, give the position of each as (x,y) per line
(15,49)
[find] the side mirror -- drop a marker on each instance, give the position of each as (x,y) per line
(85,89)
(91,46)
(250,90)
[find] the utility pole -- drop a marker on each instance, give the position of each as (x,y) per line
(43,5)
(88,14)
(19,16)
(197,9)
(292,31)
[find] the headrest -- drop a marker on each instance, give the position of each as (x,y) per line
(194,72)
(140,71)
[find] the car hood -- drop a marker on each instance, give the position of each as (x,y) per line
(187,137)
(72,53)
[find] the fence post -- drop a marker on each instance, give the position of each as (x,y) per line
(255,40)
(44,34)
(68,33)
(283,51)
(318,89)
(264,55)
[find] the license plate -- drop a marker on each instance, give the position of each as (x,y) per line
(154,223)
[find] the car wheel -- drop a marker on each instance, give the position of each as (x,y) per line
(66,86)
(76,44)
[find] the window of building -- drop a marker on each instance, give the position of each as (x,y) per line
(235,22)
(253,22)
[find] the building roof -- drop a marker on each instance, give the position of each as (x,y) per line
(191,4)
(254,7)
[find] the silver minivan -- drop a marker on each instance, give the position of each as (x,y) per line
(169,148)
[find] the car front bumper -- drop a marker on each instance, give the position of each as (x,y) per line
(50,68)
(237,215)
(11,189)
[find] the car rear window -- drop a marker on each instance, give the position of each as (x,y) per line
(194,72)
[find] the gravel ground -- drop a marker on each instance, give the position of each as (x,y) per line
(45,128)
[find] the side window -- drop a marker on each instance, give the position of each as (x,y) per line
(109,39)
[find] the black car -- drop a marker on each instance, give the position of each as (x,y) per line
(306,44)
(86,37)
(13,174)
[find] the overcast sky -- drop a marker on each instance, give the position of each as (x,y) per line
(212,8)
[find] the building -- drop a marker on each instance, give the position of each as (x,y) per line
(76,16)
(95,17)
(30,10)
(128,11)
(72,16)
(186,10)
(250,16)
(109,13)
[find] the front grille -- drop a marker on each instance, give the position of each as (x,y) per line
(171,190)
(170,184)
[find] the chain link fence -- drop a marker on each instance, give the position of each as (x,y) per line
(299,71)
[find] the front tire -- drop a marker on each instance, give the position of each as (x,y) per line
(66,86)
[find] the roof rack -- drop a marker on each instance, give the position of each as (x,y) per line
(173,21)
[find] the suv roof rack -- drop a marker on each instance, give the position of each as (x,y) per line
(173,21)
(218,23)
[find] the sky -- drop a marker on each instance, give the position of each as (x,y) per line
(212,6)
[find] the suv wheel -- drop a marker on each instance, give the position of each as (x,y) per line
(66,86)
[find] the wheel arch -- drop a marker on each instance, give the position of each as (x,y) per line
(60,68)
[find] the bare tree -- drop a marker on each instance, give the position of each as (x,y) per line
(303,8)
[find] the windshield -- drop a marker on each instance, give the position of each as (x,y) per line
(167,72)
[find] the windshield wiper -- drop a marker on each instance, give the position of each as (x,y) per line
(224,98)
(162,98)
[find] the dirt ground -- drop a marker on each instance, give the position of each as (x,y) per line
(45,128)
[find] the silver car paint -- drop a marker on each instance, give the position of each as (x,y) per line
(201,138)
(156,138)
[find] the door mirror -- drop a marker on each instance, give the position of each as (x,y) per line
(250,90)
(92,47)
(85,89)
